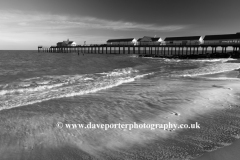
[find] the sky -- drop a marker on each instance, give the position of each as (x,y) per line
(26,24)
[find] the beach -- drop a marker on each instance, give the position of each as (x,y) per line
(42,94)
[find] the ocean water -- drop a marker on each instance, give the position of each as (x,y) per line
(39,90)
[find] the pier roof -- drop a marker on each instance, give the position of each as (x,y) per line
(121,40)
(155,39)
(223,36)
(68,42)
(182,38)
(148,39)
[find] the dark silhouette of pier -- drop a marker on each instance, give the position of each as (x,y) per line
(164,51)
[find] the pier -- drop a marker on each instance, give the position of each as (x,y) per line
(164,51)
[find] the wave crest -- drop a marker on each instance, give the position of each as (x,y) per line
(34,90)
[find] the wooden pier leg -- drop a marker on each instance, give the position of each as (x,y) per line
(154,51)
(190,50)
(128,50)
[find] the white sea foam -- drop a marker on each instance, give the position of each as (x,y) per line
(223,78)
(212,60)
(211,69)
(66,86)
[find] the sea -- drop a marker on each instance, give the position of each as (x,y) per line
(42,94)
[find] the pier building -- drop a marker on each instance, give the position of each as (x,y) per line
(191,40)
(126,41)
(222,39)
(149,41)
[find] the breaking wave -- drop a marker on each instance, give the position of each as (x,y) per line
(211,69)
(38,89)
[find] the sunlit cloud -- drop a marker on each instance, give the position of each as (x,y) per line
(90,22)
(33,27)
(48,21)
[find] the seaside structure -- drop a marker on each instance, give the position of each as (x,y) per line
(66,44)
(191,40)
(213,46)
(222,39)
(149,41)
(126,41)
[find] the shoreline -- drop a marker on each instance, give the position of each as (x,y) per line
(230,152)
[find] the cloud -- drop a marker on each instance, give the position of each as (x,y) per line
(22,24)
(34,28)
(49,21)
(90,22)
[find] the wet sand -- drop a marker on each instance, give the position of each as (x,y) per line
(231,152)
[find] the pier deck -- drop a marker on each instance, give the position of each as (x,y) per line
(174,51)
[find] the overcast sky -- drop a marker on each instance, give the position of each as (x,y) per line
(25,24)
